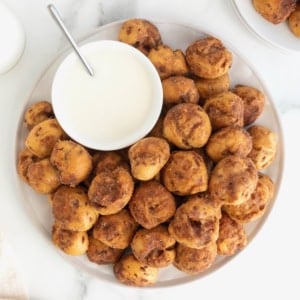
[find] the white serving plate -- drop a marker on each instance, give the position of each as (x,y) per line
(176,36)
(279,35)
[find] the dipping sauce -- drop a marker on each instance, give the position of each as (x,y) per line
(114,108)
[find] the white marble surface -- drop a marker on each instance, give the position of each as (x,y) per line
(266,269)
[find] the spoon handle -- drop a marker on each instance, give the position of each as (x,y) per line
(55,14)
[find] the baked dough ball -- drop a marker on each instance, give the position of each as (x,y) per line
(71,210)
(231,140)
(264,146)
(71,242)
(73,162)
(110,191)
(211,87)
(43,177)
(233,180)
(194,261)
(196,222)
(148,156)
(151,204)
(38,112)
(256,205)
(187,126)
(254,102)
(294,21)
(140,33)
(185,173)
(179,89)
(168,62)
(105,161)
(100,253)
(224,110)
(25,159)
(154,247)
(274,11)
(43,136)
(128,270)
(115,231)
(208,58)
(232,236)
(108,161)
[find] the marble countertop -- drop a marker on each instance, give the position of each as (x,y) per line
(265,269)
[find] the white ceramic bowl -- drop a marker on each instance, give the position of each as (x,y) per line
(12,38)
(116,106)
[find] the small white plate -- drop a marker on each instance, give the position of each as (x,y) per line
(176,36)
(278,35)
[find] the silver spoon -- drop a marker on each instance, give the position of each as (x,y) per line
(55,14)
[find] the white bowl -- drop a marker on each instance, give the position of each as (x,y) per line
(12,38)
(116,106)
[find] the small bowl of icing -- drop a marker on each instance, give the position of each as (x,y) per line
(116,106)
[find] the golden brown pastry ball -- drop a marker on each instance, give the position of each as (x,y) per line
(256,205)
(148,156)
(43,136)
(185,173)
(151,204)
(43,177)
(224,110)
(167,61)
(115,231)
(140,33)
(73,162)
(187,126)
(294,21)
(179,89)
(110,191)
(196,222)
(232,236)
(264,146)
(108,161)
(231,140)
(211,87)
(233,180)
(38,112)
(208,58)
(194,261)
(71,210)
(71,242)
(100,253)
(128,270)
(154,247)
(274,11)
(254,102)
(25,159)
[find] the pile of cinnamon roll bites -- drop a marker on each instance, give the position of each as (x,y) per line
(180,196)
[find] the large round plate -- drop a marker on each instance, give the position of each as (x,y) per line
(278,35)
(177,36)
